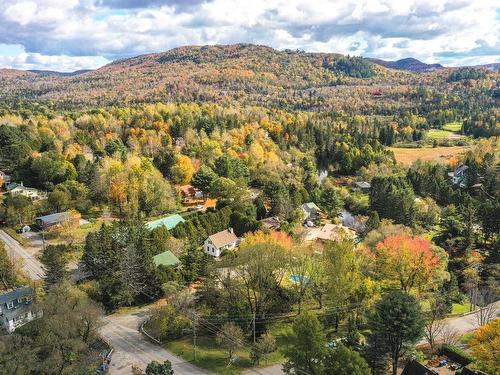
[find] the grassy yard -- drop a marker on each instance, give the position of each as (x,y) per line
(459,309)
(211,357)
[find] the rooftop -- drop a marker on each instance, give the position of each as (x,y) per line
(311,206)
(362,184)
(13,294)
(332,232)
(170,222)
(15,185)
(55,218)
(223,238)
(166,258)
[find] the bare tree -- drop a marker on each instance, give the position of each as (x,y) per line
(449,336)
(434,324)
(487,308)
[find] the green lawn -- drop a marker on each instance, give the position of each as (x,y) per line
(211,357)
(459,309)
(439,134)
(453,126)
(450,130)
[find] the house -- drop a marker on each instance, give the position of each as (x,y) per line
(189,192)
(5,178)
(217,243)
(459,175)
(415,368)
(17,308)
(311,211)
(170,222)
(167,258)
(19,189)
(48,221)
(362,186)
(329,232)
(271,223)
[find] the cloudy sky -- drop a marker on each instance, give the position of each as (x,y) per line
(67,35)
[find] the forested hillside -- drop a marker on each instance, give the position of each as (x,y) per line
(249,75)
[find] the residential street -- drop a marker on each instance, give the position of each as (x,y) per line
(31,265)
(131,348)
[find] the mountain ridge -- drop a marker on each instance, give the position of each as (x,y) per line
(246,73)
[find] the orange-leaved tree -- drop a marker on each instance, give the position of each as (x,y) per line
(411,262)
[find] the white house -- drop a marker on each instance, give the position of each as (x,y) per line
(20,189)
(17,308)
(217,243)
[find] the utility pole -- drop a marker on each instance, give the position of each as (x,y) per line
(254,327)
(194,336)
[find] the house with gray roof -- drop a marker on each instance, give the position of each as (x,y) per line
(17,308)
(311,211)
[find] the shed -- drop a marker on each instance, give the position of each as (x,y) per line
(48,221)
(362,186)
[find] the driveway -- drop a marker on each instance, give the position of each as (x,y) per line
(132,348)
(31,265)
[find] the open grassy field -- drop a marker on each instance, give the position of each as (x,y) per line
(442,134)
(440,154)
(453,126)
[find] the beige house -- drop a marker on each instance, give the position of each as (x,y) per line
(217,243)
(329,232)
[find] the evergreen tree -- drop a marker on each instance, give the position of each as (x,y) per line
(345,361)
(397,322)
(55,261)
(307,346)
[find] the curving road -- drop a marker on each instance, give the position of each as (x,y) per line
(132,348)
(31,266)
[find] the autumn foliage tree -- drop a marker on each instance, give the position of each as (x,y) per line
(410,262)
(484,346)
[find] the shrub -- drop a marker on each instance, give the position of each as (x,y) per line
(456,354)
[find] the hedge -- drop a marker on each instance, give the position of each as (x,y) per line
(456,354)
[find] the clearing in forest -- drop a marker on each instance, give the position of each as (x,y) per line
(440,154)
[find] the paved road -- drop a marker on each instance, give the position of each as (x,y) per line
(131,348)
(464,324)
(31,265)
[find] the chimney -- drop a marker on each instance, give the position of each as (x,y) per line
(230,230)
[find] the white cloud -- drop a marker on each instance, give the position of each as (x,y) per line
(100,30)
(36,61)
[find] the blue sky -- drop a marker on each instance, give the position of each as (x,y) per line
(86,34)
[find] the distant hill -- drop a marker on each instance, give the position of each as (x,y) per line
(244,73)
(59,74)
(493,66)
(410,64)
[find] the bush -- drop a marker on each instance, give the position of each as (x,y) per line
(167,324)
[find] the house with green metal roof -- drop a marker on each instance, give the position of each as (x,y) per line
(170,222)
(166,258)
